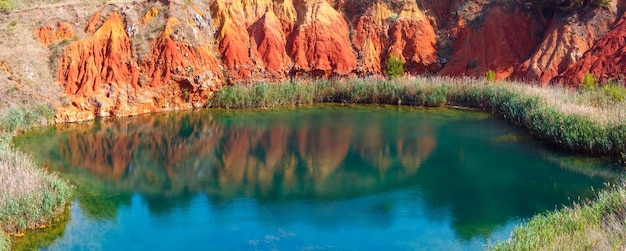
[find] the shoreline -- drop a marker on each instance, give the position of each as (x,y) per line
(551,114)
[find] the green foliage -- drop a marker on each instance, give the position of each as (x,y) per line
(38,196)
(23,118)
(490,76)
(589,82)
(32,200)
(35,240)
(6,5)
(4,241)
(394,67)
(588,226)
(615,92)
(186,93)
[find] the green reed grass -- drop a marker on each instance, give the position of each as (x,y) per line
(587,226)
(564,117)
(29,195)
(4,242)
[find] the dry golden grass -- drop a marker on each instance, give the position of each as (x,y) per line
(17,177)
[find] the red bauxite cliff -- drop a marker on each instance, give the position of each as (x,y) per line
(143,56)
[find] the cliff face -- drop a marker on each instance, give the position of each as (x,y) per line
(142,56)
(108,74)
(605,60)
(499,40)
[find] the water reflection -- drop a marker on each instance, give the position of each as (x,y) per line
(229,157)
(310,164)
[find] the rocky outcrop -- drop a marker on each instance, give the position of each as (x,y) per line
(605,60)
(413,39)
(499,40)
(104,58)
(564,42)
(404,32)
(49,34)
(320,43)
(268,43)
(103,76)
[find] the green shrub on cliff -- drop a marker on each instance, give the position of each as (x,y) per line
(589,82)
(394,67)
(6,5)
(490,76)
(615,91)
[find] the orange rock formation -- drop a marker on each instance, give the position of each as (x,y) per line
(163,55)
(103,76)
(49,34)
(493,45)
(606,59)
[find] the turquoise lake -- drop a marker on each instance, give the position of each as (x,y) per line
(323,177)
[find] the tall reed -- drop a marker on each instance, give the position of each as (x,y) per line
(4,241)
(588,226)
(561,116)
(29,195)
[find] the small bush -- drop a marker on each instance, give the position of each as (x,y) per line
(490,76)
(394,67)
(6,5)
(589,82)
(186,94)
(24,118)
(615,92)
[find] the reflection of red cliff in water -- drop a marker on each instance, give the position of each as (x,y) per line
(324,149)
(104,155)
(109,151)
(198,153)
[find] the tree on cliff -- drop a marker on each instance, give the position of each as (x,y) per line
(394,67)
(563,5)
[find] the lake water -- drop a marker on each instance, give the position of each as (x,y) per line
(325,177)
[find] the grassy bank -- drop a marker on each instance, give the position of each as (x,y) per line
(587,121)
(30,197)
(588,226)
(4,242)
(580,121)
